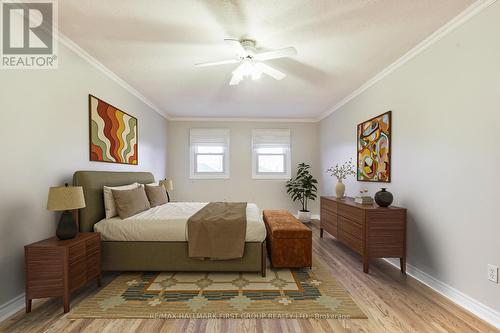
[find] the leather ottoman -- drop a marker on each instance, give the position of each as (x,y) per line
(289,242)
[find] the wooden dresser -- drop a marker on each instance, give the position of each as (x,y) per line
(372,231)
(57,268)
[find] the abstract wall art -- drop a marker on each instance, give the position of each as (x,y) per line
(113,134)
(374,149)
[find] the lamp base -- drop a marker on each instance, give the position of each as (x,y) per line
(66,229)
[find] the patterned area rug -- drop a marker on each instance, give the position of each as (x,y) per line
(283,293)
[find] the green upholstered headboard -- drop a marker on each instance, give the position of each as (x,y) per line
(93,182)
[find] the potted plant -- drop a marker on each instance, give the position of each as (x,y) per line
(302,188)
(341,173)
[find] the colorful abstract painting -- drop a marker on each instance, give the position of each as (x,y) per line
(113,134)
(374,149)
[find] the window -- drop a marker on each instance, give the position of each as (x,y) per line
(209,153)
(271,154)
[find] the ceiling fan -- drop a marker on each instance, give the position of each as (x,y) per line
(251,61)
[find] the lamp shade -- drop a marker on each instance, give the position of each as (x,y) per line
(167,184)
(65,198)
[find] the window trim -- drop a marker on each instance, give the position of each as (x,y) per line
(287,159)
(193,173)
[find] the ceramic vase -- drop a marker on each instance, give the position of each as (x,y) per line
(304,217)
(340,189)
(383,198)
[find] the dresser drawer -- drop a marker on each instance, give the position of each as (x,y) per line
(352,213)
(328,222)
(328,217)
(353,228)
(351,241)
(329,205)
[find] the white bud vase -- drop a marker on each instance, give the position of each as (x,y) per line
(340,189)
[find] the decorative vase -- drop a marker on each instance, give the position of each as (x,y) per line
(383,198)
(340,189)
(304,217)
(66,229)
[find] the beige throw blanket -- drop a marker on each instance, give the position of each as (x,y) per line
(217,231)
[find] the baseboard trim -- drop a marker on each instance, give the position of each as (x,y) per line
(9,308)
(468,303)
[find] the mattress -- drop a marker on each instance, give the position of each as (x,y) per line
(168,223)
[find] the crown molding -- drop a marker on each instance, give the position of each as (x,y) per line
(66,41)
(236,119)
(471,11)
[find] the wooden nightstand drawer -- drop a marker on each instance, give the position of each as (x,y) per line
(93,265)
(44,255)
(93,245)
(77,274)
(57,268)
(76,252)
(42,271)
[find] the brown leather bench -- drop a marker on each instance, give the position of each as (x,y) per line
(289,242)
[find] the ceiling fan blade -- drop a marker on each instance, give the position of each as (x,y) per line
(240,51)
(215,63)
(280,53)
(274,73)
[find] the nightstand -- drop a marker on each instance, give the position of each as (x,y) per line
(57,268)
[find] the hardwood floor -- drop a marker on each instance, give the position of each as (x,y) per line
(393,303)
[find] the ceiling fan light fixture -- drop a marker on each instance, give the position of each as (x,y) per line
(251,61)
(256,75)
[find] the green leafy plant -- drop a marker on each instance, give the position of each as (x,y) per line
(303,186)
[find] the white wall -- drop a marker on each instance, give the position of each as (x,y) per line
(268,194)
(445,157)
(44,136)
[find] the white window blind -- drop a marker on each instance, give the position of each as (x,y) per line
(271,157)
(209,153)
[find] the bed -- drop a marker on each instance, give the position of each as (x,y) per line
(151,250)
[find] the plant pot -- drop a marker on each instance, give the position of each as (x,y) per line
(340,189)
(383,198)
(304,217)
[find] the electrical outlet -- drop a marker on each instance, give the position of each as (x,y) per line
(493,273)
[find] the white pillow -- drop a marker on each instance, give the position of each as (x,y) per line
(153,184)
(109,201)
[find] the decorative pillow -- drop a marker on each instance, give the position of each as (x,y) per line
(130,202)
(156,195)
(109,201)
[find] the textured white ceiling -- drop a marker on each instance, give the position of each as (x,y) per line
(154,44)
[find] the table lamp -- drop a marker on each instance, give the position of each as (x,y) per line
(168,185)
(66,198)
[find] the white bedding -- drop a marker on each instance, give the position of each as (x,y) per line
(168,222)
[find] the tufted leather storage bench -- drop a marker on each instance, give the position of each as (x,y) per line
(289,242)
